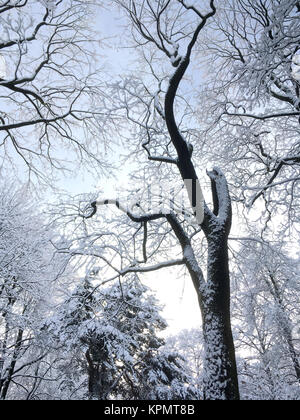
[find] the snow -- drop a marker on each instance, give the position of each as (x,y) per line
(3,74)
(189,255)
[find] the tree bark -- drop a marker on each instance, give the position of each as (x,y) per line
(94,379)
(98,381)
(5,383)
(94,384)
(220,379)
(220,370)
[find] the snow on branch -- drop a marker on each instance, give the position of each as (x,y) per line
(117,203)
(221,197)
(159,266)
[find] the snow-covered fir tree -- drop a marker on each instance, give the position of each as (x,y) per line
(113,333)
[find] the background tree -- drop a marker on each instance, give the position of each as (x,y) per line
(114,332)
(189,344)
(50,87)
(27,268)
(251,95)
(266,317)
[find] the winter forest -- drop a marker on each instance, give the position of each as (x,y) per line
(149,155)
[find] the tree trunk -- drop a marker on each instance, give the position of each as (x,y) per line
(220,376)
(94,384)
(285,324)
(220,370)
(5,383)
(98,383)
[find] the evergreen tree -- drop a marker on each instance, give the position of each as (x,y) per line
(114,334)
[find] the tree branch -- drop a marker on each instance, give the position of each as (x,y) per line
(117,203)
(155,267)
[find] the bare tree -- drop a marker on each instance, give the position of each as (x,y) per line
(252,99)
(166,27)
(267,311)
(50,86)
(26,272)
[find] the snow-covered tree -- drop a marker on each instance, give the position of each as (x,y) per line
(189,344)
(50,87)
(251,100)
(27,268)
(112,333)
(211,82)
(266,314)
(161,143)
